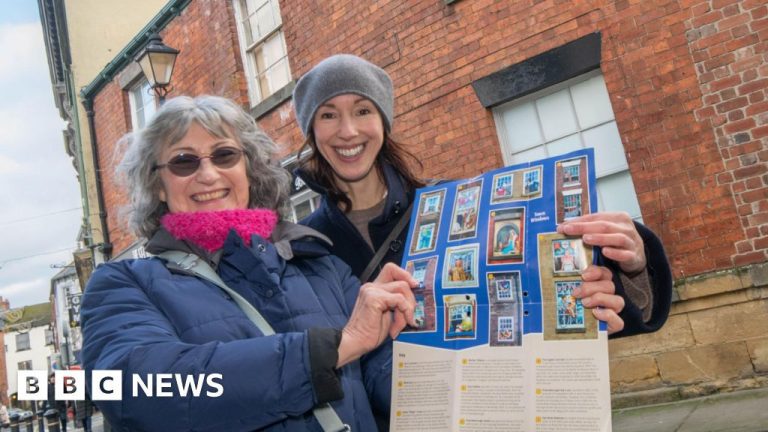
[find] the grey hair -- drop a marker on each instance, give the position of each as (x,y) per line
(221,117)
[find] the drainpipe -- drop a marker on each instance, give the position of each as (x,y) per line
(106,246)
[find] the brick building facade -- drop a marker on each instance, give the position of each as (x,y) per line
(686,85)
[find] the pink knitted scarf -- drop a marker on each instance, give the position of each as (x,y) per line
(209,229)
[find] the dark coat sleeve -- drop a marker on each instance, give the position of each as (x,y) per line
(660,278)
(377,364)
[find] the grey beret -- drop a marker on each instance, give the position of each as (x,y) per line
(342,74)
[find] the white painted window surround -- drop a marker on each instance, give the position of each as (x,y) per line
(571,115)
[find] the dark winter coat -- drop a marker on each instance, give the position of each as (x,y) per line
(83,409)
(140,317)
(349,245)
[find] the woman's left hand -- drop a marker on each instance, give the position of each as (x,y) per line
(615,233)
(597,292)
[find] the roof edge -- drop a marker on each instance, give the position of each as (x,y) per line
(124,57)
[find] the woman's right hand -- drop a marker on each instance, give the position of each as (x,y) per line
(383,307)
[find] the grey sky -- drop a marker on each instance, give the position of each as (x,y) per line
(38,185)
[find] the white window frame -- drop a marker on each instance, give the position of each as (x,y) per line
(23,342)
(301,197)
(139,118)
(510,296)
(506,322)
(247,50)
(568,194)
(508,152)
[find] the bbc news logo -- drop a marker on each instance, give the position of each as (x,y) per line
(108,385)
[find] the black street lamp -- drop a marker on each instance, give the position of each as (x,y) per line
(157,61)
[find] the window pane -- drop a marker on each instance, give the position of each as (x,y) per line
(273,49)
(609,152)
(302,209)
(564,145)
(265,55)
(593,106)
(271,64)
(148,100)
(277,76)
(266,20)
(143,105)
(522,127)
(556,115)
(253,24)
(22,341)
(303,203)
(521,138)
(529,155)
(252,60)
(251,6)
(275,6)
(617,193)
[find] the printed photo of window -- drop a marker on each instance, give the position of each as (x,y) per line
(532,182)
(426,234)
(570,311)
(460,269)
(506,329)
(572,204)
(431,203)
(423,270)
(504,289)
(464,220)
(460,317)
(506,304)
(427,226)
(568,257)
(502,188)
(571,174)
(506,236)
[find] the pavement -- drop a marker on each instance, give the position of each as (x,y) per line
(739,411)
(97,425)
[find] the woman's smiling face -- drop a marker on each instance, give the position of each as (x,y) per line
(349,133)
(210,187)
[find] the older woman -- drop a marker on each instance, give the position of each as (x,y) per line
(200,184)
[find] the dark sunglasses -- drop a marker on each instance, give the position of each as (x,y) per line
(184,165)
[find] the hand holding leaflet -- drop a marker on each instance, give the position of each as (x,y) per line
(383,307)
(598,293)
(615,233)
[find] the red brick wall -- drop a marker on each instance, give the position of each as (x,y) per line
(687,80)
(112,119)
(209,63)
(729,46)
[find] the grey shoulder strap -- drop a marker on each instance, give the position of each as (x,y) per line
(375,262)
(325,415)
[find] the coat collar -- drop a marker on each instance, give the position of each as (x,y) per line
(397,192)
(290,240)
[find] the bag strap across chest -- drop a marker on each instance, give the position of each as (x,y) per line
(325,415)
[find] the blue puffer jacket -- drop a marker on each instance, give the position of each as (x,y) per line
(141,318)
